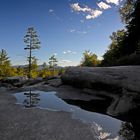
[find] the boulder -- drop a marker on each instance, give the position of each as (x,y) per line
(104,78)
(121,83)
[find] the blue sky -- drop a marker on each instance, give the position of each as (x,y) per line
(66,27)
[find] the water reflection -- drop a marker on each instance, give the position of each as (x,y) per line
(92,105)
(32,99)
(126,131)
(103,126)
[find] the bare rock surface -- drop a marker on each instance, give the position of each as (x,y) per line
(121,83)
(54,82)
(17,123)
(127,77)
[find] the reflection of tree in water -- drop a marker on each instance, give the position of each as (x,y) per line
(126,131)
(32,99)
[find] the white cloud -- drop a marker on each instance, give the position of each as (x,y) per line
(69,52)
(94,14)
(51,11)
(116,2)
(78,8)
(91,12)
(78,32)
(103,5)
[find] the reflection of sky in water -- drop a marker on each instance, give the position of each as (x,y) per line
(102,126)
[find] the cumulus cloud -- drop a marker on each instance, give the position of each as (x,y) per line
(78,8)
(103,5)
(91,13)
(94,14)
(116,2)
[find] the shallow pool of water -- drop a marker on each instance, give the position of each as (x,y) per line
(103,126)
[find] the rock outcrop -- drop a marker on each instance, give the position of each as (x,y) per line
(120,83)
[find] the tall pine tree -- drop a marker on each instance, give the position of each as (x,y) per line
(32,42)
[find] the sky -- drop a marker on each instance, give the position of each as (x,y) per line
(66,28)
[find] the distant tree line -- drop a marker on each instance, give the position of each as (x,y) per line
(7,70)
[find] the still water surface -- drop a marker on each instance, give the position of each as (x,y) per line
(103,126)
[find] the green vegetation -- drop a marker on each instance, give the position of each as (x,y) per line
(52,64)
(90,59)
(125,46)
(7,70)
(5,65)
(53,61)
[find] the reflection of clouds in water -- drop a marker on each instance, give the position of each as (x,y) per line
(100,134)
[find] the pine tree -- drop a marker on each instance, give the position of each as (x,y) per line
(53,63)
(32,42)
(4,59)
(5,65)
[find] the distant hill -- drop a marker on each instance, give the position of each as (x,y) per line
(40,67)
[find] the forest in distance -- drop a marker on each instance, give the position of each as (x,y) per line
(123,50)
